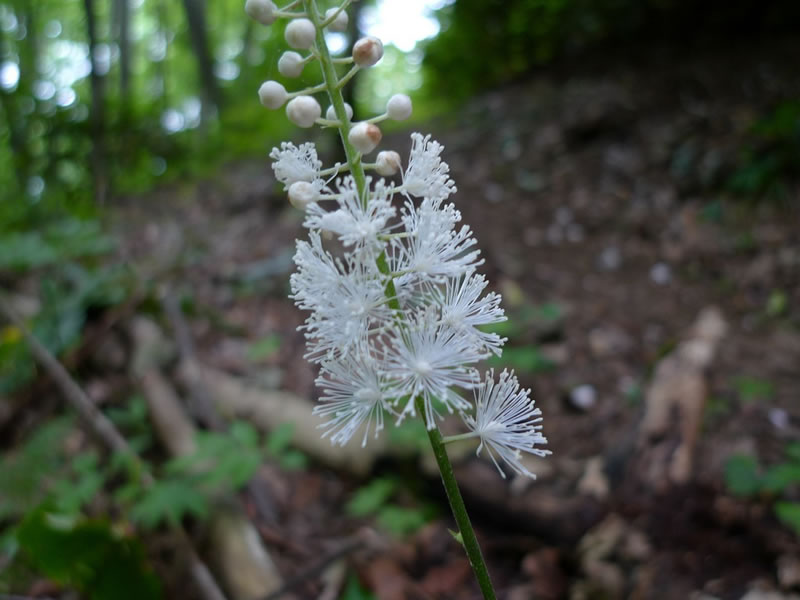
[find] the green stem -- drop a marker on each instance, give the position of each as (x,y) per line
(335,94)
(468,538)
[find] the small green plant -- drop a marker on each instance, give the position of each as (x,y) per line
(753,389)
(772,156)
(746,478)
(354,591)
(88,555)
(519,353)
(50,494)
(264,349)
(374,499)
(221,464)
(66,296)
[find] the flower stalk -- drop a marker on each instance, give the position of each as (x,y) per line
(468,538)
(337,99)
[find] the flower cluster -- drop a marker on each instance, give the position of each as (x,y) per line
(398,311)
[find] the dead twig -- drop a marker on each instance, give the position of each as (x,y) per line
(348,547)
(105,432)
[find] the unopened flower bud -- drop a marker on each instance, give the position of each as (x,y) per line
(399,107)
(272,94)
(262,11)
(365,137)
(303,111)
(367,51)
(300,34)
(330,114)
(290,64)
(388,163)
(301,194)
(339,24)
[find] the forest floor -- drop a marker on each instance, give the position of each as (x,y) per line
(655,317)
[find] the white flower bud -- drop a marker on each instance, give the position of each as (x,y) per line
(330,114)
(300,34)
(272,94)
(290,64)
(367,51)
(399,107)
(302,193)
(339,24)
(365,137)
(303,111)
(262,11)
(388,163)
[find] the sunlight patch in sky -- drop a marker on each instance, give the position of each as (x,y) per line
(402,23)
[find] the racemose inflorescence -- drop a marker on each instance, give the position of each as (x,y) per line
(388,274)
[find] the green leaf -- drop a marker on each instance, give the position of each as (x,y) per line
(776,303)
(222,462)
(294,460)
(72,493)
(793,451)
(264,348)
(279,438)
(780,477)
(369,499)
(411,434)
(751,389)
(401,521)
(457,536)
(87,555)
(244,433)
(354,591)
(168,501)
(26,476)
(550,311)
(741,475)
(789,514)
(525,359)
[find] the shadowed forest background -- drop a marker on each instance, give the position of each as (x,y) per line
(631,169)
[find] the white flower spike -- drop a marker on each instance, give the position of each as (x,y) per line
(507,422)
(427,175)
(354,396)
(396,308)
(292,163)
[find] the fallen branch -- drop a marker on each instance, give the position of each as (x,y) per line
(242,561)
(105,432)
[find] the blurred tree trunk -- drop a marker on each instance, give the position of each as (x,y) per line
(198,33)
(17,135)
(247,43)
(122,18)
(97,116)
(163,29)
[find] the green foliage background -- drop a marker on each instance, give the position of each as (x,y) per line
(486,42)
